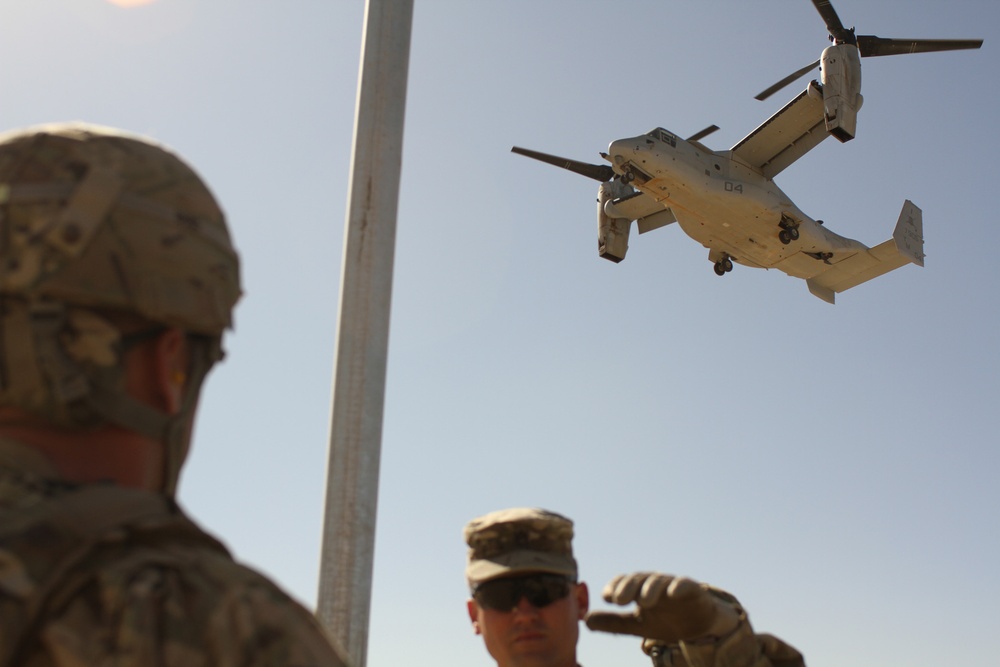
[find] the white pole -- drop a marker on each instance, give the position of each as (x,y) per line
(348,547)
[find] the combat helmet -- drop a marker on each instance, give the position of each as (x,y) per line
(96,222)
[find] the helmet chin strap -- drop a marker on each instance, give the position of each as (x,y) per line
(41,377)
(173,432)
(205,352)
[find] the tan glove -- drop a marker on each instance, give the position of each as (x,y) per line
(669,609)
(708,626)
(779,653)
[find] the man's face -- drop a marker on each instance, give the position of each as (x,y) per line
(530,636)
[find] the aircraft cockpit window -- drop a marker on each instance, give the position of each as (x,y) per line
(664,136)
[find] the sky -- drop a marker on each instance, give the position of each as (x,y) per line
(835,467)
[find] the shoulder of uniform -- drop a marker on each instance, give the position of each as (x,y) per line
(157,581)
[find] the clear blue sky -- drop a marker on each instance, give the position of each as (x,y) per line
(834,466)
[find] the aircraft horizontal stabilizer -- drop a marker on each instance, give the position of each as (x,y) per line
(906,246)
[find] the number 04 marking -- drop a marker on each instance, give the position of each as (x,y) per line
(734,187)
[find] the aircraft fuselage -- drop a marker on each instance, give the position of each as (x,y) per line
(724,204)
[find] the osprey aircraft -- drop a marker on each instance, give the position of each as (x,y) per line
(728,201)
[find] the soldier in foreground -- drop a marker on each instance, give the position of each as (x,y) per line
(117,281)
(526,602)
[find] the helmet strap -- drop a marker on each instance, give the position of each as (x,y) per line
(173,432)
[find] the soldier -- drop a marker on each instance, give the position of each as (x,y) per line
(117,280)
(526,602)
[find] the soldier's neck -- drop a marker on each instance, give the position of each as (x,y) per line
(104,454)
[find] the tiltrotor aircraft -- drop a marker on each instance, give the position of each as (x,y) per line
(727,200)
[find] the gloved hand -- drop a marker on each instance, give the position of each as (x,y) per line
(668,609)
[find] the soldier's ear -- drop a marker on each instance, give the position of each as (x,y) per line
(159,374)
(473,610)
(582,599)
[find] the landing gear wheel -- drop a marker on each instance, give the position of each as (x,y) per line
(785,236)
(628,177)
(793,232)
(723,266)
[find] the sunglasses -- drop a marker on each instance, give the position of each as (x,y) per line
(540,590)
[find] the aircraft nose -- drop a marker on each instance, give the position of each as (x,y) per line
(624,149)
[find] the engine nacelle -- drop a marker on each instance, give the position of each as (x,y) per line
(612,233)
(841,90)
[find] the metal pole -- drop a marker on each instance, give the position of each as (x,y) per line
(348,546)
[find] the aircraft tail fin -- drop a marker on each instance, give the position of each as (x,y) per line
(909,233)
(906,246)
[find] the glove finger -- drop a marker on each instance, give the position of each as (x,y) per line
(651,593)
(609,621)
(627,587)
(683,588)
(609,588)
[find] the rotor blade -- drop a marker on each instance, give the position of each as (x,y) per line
(763,95)
(870,45)
(704,133)
(598,172)
(833,24)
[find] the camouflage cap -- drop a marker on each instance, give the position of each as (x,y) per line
(519,540)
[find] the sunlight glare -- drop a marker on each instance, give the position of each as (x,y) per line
(131,3)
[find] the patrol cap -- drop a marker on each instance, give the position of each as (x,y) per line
(519,540)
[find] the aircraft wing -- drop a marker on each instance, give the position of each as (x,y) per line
(786,136)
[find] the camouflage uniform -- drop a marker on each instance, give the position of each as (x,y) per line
(108,239)
(102,575)
(522,541)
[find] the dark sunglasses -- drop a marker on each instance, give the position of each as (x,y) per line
(540,590)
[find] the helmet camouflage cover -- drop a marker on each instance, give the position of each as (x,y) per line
(94,221)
